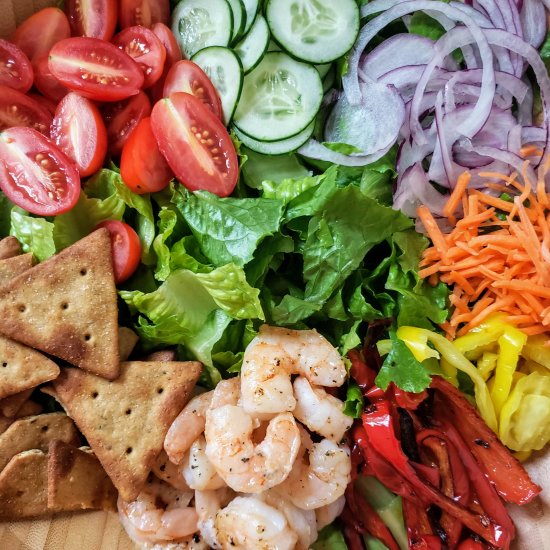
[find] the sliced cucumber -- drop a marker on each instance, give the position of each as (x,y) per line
(275,168)
(251,9)
(197,24)
(253,46)
(224,69)
(273,46)
(323,69)
(317,31)
(280,98)
(239,18)
(276,147)
(329,80)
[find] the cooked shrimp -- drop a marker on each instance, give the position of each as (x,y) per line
(160,514)
(198,471)
(208,504)
(319,411)
(273,356)
(302,522)
(247,523)
(243,465)
(196,542)
(189,424)
(167,471)
(320,475)
(328,513)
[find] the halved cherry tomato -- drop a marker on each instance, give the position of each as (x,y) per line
(46,83)
(122,117)
(142,166)
(15,67)
(143,12)
(17,109)
(48,104)
(37,34)
(93,18)
(196,144)
(79,131)
(173,55)
(186,76)
(143,46)
(96,69)
(471,544)
(126,249)
(35,175)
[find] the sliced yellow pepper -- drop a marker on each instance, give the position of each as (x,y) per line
(510,343)
(525,416)
(532,366)
(486,364)
(417,342)
(535,350)
(485,334)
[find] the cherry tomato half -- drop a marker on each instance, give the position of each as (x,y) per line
(143,12)
(46,83)
(196,144)
(15,67)
(93,18)
(37,34)
(142,166)
(186,76)
(143,46)
(35,175)
(122,117)
(471,544)
(95,68)
(48,104)
(17,109)
(79,131)
(126,249)
(173,55)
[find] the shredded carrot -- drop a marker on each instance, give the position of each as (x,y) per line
(493,264)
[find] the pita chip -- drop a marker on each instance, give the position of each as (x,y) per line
(22,368)
(67,306)
(9,406)
(36,432)
(77,481)
(24,486)
(125,420)
(29,408)
(12,267)
(127,340)
(9,247)
(162,355)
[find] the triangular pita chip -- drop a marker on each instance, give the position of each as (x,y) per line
(36,432)
(162,355)
(9,406)
(24,486)
(77,481)
(125,421)
(22,367)
(127,340)
(9,247)
(12,267)
(29,408)
(67,306)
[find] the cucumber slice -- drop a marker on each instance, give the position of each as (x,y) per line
(224,69)
(251,9)
(273,46)
(197,24)
(317,31)
(276,147)
(253,46)
(239,18)
(275,168)
(323,69)
(280,98)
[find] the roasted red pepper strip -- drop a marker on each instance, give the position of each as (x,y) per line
(510,478)
(353,538)
(471,544)
(419,530)
(367,516)
(380,433)
(408,400)
(360,371)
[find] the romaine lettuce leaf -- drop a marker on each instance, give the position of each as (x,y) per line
(330,538)
(34,234)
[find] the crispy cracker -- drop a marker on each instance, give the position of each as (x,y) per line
(12,267)
(9,406)
(36,432)
(127,340)
(22,368)
(169,472)
(5,423)
(67,306)
(29,408)
(9,247)
(24,486)
(77,481)
(163,355)
(125,420)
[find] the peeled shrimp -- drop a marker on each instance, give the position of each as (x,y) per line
(208,504)
(328,513)
(319,411)
(302,522)
(277,353)
(320,475)
(247,523)
(189,424)
(198,472)
(243,465)
(160,514)
(167,471)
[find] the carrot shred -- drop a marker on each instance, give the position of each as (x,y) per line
(457,194)
(433,230)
